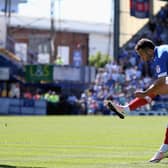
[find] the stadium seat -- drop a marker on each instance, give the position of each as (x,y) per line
(14,110)
(40,103)
(40,111)
(4,102)
(27,111)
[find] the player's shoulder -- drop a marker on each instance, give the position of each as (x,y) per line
(162,50)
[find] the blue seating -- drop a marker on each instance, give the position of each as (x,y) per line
(4,102)
(14,106)
(40,103)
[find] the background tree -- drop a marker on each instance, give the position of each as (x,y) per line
(99,60)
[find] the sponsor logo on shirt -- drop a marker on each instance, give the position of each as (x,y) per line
(157,68)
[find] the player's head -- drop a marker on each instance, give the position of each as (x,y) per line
(145,49)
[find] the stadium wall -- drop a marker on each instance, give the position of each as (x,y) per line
(36,38)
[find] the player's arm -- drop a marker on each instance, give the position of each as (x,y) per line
(159,87)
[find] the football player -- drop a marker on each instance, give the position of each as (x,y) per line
(158,56)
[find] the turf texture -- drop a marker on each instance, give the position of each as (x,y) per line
(80,141)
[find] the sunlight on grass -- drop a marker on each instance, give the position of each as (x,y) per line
(80,141)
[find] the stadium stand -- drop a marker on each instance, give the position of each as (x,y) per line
(118,80)
(8,59)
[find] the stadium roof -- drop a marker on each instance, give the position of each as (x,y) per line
(62,25)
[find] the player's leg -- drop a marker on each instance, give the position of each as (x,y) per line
(163,151)
(121,111)
(159,87)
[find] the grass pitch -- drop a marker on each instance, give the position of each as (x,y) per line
(80,141)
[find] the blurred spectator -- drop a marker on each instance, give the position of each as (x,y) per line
(83,103)
(152,24)
(53,97)
(37,95)
(27,94)
(47,94)
(92,106)
(59,61)
(15,91)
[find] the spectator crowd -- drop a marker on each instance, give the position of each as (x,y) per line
(118,80)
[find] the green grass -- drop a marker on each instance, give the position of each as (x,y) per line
(80,141)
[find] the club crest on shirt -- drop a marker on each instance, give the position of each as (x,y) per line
(157,68)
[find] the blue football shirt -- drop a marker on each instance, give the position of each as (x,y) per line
(160,61)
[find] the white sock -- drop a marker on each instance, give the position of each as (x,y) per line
(164,148)
(126,109)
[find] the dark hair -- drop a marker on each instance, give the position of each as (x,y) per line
(144,43)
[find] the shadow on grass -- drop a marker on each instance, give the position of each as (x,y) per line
(9,166)
(164,163)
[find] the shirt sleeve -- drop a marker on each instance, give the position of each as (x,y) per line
(162,64)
